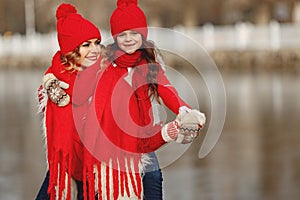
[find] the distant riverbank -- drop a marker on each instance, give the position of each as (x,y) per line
(257,60)
(246,60)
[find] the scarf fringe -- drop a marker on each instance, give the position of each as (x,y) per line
(42,98)
(61,185)
(107,183)
(104,181)
(60,182)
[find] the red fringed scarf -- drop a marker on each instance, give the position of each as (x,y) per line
(64,148)
(60,134)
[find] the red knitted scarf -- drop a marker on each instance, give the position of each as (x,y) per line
(65,151)
(125,60)
(61,135)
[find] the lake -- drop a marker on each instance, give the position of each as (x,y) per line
(256,157)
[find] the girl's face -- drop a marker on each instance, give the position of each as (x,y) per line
(129,41)
(89,52)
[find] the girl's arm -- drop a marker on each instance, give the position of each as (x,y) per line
(168,93)
(144,145)
(172,131)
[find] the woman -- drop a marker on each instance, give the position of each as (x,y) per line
(78,57)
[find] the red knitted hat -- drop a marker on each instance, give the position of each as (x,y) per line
(128,16)
(72,28)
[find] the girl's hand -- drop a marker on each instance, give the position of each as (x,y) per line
(194,116)
(185,128)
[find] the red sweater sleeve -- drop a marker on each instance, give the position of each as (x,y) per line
(168,93)
(152,143)
(172,100)
(141,144)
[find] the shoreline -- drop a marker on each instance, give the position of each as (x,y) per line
(229,60)
(258,60)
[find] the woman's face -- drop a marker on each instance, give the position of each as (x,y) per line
(129,41)
(89,52)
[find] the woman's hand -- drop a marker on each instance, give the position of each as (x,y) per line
(55,90)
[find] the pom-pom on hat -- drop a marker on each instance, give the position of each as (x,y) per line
(128,16)
(72,28)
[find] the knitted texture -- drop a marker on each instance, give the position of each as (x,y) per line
(128,16)
(73,29)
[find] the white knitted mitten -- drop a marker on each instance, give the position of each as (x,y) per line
(190,125)
(185,128)
(55,90)
(170,131)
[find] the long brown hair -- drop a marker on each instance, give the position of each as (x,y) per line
(149,53)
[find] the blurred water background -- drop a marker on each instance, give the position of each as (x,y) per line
(256,157)
(258,153)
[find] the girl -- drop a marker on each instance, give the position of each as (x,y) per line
(79,56)
(121,126)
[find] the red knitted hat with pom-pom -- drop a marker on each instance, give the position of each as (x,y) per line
(128,16)
(72,28)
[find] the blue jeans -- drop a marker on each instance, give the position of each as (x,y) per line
(152,183)
(43,194)
(152,180)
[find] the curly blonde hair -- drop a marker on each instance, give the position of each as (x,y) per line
(70,60)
